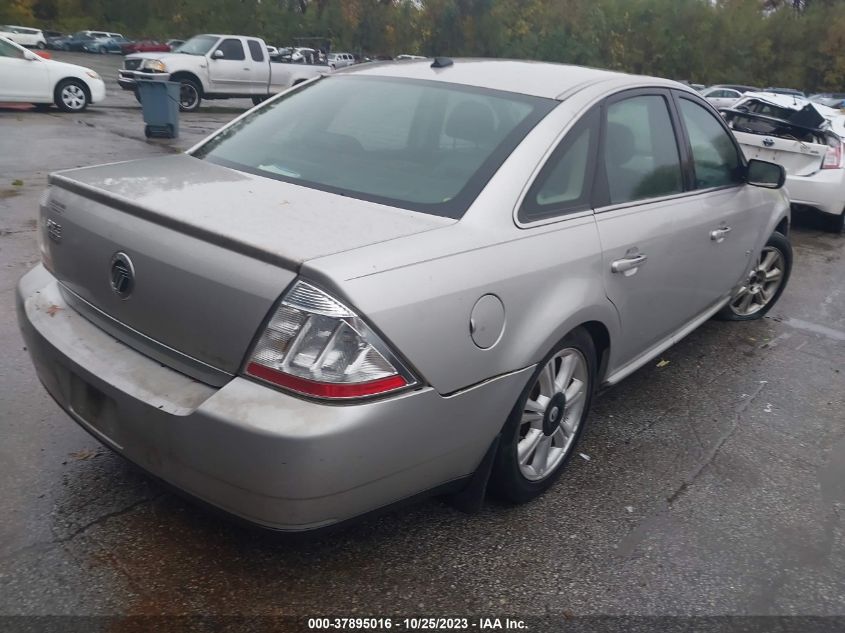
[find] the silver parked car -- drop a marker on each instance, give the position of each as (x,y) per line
(397,279)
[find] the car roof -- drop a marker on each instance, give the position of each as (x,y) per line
(539,79)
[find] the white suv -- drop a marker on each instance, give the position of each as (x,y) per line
(340,60)
(24,36)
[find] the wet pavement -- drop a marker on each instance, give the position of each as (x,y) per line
(714,484)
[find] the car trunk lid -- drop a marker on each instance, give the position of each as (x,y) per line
(210,251)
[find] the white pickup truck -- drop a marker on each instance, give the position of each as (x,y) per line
(217,67)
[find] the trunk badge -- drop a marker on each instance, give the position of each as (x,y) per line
(768,142)
(122,275)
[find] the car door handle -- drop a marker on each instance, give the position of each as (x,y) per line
(628,263)
(719,234)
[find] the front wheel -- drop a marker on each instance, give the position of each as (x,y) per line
(190,95)
(544,426)
(41,46)
(764,285)
(258,99)
(71,95)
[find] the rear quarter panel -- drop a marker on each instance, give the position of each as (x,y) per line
(549,282)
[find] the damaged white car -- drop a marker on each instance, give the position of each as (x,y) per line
(806,138)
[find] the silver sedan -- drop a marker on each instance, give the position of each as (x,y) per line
(400,279)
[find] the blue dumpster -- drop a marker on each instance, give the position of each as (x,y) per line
(160,104)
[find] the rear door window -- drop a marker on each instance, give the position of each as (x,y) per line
(255,50)
(641,157)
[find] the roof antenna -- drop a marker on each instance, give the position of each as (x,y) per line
(442,62)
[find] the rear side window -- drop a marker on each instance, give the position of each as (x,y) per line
(232,49)
(564,184)
(640,151)
(255,50)
(714,154)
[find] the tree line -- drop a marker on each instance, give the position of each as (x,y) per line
(792,43)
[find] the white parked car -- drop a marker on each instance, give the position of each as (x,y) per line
(724,96)
(27,78)
(24,36)
(721,97)
(806,138)
(340,60)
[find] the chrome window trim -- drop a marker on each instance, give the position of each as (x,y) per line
(674,196)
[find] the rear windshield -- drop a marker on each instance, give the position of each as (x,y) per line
(422,145)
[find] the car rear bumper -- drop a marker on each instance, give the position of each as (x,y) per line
(824,190)
(253,451)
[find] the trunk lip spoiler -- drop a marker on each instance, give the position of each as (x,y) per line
(128,206)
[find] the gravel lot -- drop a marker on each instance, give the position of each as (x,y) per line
(714,484)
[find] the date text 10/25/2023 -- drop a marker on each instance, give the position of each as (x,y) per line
(416,624)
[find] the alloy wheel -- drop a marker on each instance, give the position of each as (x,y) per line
(762,284)
(552,414)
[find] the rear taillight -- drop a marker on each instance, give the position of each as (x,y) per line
(317,346)
(833,156)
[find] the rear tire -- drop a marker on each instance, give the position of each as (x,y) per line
(256,100)
(764,285)
(71,95)
(546,422)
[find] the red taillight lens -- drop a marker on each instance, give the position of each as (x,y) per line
(326,389)
(316,346)
(833,156)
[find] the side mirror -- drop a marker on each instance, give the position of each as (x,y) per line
(764,174)
(30,56)
(218,54)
